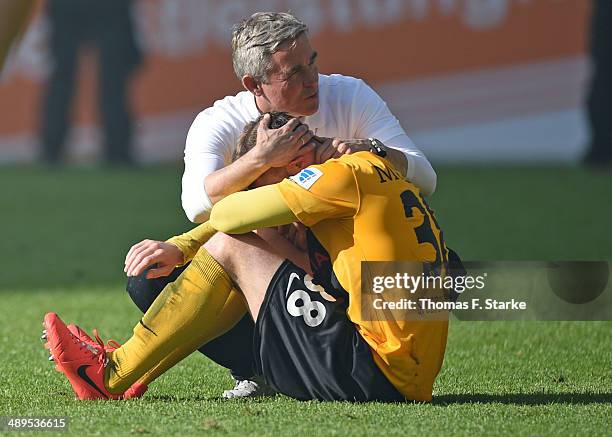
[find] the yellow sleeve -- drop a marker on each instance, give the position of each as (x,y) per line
(249,210)
(315,194)
(322,192)
(237,214)
(190,242)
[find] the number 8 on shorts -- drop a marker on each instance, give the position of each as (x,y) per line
(307,308)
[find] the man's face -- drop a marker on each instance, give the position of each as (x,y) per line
(293,82)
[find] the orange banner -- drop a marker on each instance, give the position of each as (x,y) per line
(187,47)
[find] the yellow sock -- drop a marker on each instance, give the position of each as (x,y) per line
(235,308)
(189,308)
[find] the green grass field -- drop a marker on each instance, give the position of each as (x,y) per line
(65,234)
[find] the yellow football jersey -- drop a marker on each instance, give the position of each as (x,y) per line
(360,208)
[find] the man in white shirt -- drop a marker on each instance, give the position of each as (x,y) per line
(276,65)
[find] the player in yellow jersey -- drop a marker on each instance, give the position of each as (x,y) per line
(310,339)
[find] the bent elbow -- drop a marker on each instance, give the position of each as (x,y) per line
(196,217)
(220,220)
(196,213)
(430,181)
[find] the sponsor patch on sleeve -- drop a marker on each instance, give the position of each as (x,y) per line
(307,177)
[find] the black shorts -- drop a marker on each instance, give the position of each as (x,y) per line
(306,347)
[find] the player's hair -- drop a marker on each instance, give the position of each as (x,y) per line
(248,137)
(256,38)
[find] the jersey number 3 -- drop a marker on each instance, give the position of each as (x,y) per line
(424,232)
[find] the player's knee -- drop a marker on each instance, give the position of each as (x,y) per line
(144,291)
(222,247)
(231,251)
(138,290)
(133,284)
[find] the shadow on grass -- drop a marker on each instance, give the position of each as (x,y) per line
(525,398)
(449,399)
(199,398)
(172,398)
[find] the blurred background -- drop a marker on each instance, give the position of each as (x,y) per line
(493,91)
(95,104)
(500,81)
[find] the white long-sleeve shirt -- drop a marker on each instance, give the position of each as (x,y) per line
(348,108)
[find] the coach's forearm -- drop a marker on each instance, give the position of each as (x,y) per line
(235,177)
(421,173)
(415,166)
(398,159)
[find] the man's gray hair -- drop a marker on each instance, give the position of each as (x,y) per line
(255,39)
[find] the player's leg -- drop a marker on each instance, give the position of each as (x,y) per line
(234,309)
(250,262)
(244,257)
(232,350)
(188,311)
(305,346)
(143,291)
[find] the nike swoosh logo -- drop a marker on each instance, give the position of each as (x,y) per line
(291,278)
(82,372)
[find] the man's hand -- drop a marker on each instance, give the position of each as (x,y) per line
(278,147)
(149,252)
(336,147)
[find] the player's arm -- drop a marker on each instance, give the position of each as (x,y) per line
(236,214)
(246,211)
(13,17)
(318,193)
(166,255)
(209,144)
(274,148)
(258,212)
(332,194)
